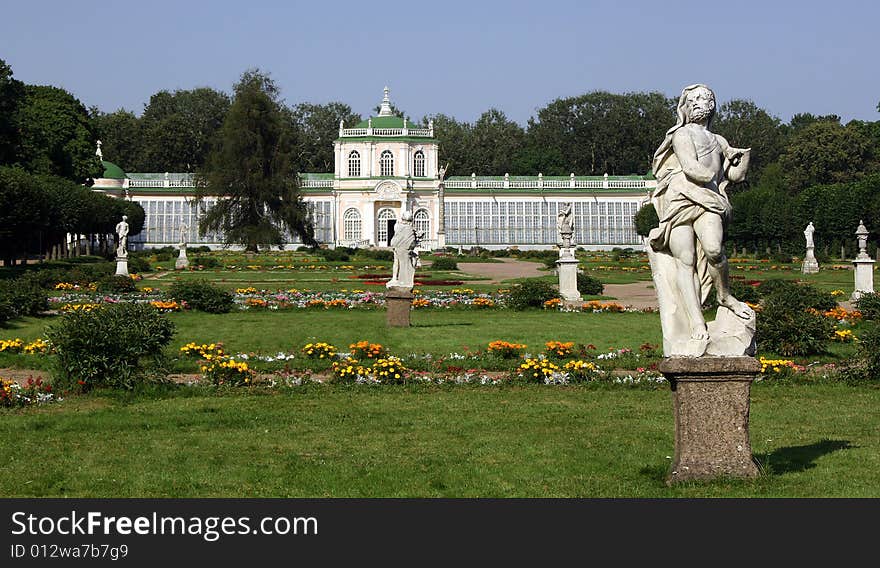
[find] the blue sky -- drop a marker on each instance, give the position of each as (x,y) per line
(452,57)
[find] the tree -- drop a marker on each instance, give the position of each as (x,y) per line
(599,132)
(452,137)
(826,152)
(121,137)
(745,125)
(646,219)
(251,170)
(318,127)
(496,144)
(11,95)
(56,136)
(178,128)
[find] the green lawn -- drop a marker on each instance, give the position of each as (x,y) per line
(817,440)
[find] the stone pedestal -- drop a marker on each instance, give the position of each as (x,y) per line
(710,400)
(864,275)
(182,261)
(122,266)
(567,266)
(810,264)
(398,305)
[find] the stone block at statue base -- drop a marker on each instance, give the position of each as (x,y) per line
(182,261)
(567,268)
(810,265)
(122,266)
(864,276)
(398,305)
(710,400)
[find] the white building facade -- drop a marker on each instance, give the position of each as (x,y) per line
(386,165)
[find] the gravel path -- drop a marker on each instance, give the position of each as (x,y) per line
(506,269)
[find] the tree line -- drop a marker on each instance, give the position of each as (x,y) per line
(47,131)
(47,157)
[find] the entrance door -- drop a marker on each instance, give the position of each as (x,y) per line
(391,225)
(384,221)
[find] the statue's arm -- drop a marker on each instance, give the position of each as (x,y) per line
(736,160)
(686,152)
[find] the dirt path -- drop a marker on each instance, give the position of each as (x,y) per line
(639,295)
(508,268)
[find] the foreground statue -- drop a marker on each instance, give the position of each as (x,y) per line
(693,166)
(404,243)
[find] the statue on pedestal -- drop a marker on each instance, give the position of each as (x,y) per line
(122,234)
(404,243)
(693,167)
(808,234)
(564,225)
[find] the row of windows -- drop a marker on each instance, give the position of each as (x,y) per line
(164,219)
(386,164)
(523,222)
(352,225)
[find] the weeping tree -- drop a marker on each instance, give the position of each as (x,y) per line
(251,171)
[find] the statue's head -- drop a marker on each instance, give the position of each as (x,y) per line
(125,217)
(696,104)
(406,216)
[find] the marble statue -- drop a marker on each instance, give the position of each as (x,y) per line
(184,229)
(564,225)
(808,234)
(404,243)
(98,152)
(862,239)
(693,167)
(442,173)
(122,234)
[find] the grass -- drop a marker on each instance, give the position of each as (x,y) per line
(817,440)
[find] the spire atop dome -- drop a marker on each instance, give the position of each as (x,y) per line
(385,109)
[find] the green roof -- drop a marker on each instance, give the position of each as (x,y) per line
(112,171)
(386,122)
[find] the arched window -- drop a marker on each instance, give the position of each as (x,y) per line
(386,164)
(354,164)
(382,219)
(422,223)
(351,225)
(419,164)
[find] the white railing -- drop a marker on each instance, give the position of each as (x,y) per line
(546,184)
(355,244)
(146,183)
(185,181)
(417,132)
(317,183)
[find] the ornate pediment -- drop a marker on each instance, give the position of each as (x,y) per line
(389,190)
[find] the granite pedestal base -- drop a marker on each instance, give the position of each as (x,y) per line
(567,266)
(810,264)
(398,305)
(864,276)
(710,400)
(182,261)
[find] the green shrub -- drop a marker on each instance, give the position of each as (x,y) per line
(868,361)
(789,330)
(869,305)
(138,263)
(206,261)
(114,345)
(589,285)
(200,249)
(202,295)
(501,253)
(376,254)
(781,258)
(531,293)
(796,296)
(163,256)
(444,263)
(646,219)
(23,296)
(339,254)
(740,290)
(115,284)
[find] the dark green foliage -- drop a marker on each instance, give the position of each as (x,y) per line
(646,219)
(202,295)
(339,254)
(796,296)
(740,290)
(206,261)
(789,332)
(198,249)
(444,263)
(869,305)
(254,164)
(109,346)
(868,364)
(116,284)
(23,296)
(589,285)
(138,263)
(531,293)
(376,254)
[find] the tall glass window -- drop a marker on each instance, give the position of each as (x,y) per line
(386,163)
(419,164)
(422,223)
(354,164)
(351,225)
